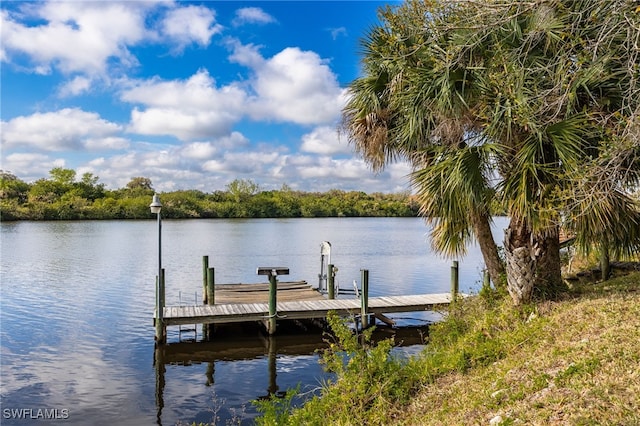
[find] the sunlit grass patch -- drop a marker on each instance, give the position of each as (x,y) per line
(578,364)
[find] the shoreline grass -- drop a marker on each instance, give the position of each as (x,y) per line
(574,361)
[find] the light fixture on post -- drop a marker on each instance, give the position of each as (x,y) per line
(156,207)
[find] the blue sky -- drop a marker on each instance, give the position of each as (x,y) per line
(189,94)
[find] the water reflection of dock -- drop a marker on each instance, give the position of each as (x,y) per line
(247,347)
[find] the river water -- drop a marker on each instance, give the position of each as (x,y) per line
(77,299)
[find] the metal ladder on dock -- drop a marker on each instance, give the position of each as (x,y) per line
(181,328)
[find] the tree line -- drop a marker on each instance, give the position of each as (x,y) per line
(66,196)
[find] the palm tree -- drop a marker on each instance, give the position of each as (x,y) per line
(387,119)
(508,102)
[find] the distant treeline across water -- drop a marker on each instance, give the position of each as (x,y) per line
(65,197)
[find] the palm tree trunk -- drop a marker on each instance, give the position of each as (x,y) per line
(488,247)
(548,269)
(521,261)
(605,263)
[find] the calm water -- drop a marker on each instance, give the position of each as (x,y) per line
(77,300)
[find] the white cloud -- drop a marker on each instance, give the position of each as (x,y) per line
(207,150)
(77,36)
(245,54)
(246,162)
(324,140)
(325,173)
(199,150)
(30,166)
(95,37)
(77,86)
(340,169)
(188,109)
(233,141)
(337,32)
(170,168)
(252,15)
(207,167)
(96,162)
(296,86)
(108,143)
(191,24)
(399,172)
(63,130)
(181,123)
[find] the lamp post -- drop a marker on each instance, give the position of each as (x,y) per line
(155,207)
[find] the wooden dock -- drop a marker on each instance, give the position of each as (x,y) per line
(275,301)
(296,300)
(307,309)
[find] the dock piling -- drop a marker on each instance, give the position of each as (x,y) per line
(454,280)
(161,329)
(364,297)
(205,271)
(158,318)
(210,293)
(330,284)
(273,291)
(273,303)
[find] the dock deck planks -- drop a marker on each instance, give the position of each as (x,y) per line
(296,300)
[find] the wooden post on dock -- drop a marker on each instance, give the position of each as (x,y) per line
(161,330)
(330,282)
(162,291)
(205,271)
(454,280)
(364,297)
(273,289)
(273,303)
(158,319)
(211,296)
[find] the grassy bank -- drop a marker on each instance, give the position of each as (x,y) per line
(575,361)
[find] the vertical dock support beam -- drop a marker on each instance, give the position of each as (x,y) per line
(273,303)
(364,297)
(208,295)
(205,271)
(161,330)
(330,281)
(156,207)
(273,290)
(211,286)
(158,318)
(454,280)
